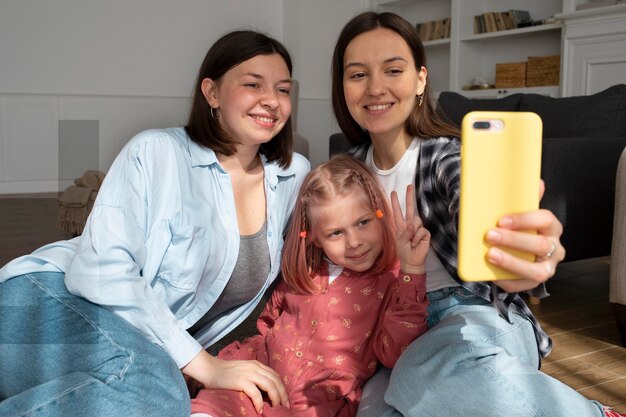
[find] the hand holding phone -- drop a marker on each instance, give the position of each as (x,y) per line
(500,174)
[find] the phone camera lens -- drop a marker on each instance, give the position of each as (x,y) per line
(482,125)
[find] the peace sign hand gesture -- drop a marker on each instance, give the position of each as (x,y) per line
(413,240)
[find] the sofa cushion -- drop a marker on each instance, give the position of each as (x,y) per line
(598,115)
(579,176)
(454,106)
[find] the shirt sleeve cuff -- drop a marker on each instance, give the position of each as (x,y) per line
(411,279)
(182,348)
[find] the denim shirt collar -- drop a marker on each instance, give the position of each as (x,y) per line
(203,156)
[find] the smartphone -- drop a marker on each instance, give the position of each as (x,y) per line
(500,174)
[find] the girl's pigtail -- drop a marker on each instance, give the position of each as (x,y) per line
(297,259)
(381,208)
(376,203)
(304,266)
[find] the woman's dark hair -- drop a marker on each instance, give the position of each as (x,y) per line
(424,122)
(227,52)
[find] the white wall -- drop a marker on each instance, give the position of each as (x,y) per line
(117,47)
(130,64)
(311,29)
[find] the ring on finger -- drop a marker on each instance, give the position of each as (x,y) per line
(551,251)
(549,268)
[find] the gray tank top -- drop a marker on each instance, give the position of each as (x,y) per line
(249,275)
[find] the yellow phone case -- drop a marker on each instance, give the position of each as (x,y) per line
(500,173)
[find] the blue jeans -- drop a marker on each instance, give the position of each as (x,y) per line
(61,355)
(471,362)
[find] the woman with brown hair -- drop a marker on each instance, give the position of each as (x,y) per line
(481,354)
(183,240)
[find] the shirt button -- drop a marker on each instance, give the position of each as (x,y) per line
(299,354)
(313,323)
(269,234)
(407,278)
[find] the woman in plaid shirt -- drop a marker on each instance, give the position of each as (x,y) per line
(482,341)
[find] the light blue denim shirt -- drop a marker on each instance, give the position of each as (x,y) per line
(162,239)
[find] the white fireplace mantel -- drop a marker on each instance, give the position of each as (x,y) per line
(594,50)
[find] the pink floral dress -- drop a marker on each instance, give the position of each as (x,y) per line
(326,345)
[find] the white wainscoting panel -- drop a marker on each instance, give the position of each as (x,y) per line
(28,143)
(29,126)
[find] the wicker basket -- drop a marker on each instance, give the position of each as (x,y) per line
(512,74)
(543,70)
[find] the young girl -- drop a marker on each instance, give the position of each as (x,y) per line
(343,306)
(482,341)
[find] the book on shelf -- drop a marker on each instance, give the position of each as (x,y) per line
(499,21)
(424,29)
(446,28)
(479,24)
(437,31)
(490,22)
(509,23)
(433,30)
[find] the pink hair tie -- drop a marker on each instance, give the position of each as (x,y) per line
(303,234)
(379,214)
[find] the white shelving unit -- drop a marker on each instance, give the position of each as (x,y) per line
(438,51)
(453,63)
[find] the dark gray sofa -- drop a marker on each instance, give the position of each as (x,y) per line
(583,138)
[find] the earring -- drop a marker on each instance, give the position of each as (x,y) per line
(421,97)
(212,114)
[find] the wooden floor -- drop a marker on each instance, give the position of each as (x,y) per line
(587,354)
(27,223)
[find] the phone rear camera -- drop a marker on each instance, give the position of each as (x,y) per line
(482,125)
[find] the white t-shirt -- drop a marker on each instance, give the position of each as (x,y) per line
(394,179)
(333,271)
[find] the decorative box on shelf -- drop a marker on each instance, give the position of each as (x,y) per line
(543,70)
(511,74)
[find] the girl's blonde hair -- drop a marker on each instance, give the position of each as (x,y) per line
(302,259)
